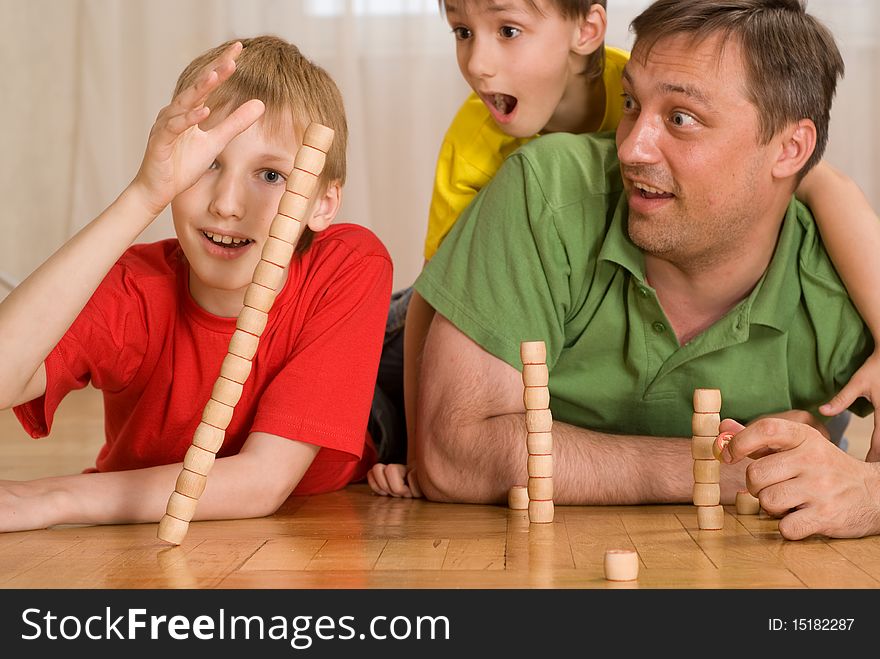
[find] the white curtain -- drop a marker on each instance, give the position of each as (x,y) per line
(82,80)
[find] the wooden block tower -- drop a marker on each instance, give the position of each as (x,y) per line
(539,424)
(707,469)
(284,232)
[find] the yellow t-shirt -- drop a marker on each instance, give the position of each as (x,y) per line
(474,148)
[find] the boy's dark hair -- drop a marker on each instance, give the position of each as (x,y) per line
(570,9)
(791,61)
(291,87)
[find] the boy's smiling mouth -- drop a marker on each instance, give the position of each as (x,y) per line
(222,240)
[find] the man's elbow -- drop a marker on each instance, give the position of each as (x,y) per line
(443,474)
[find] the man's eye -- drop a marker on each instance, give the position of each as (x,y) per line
(682,119)
(509,32)
(461,33)
(629,102)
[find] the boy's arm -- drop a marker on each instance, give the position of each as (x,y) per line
(253,483)
(35,316)
(850,230)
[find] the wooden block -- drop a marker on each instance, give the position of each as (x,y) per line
(277,251)
(208,437)
(259,298)
(303,183)
(181,506)
(252,320)
(720,444)
(535,375)
(539,443)
(217,414)
(198,460)
(235,368)
(172,530)
(518,498)
(707,401)
(701,447)
(707,471)
(706,424)
(191,484)
(269,275)
(318,136)
(286,228)
(540,488)
(244,344)
(540,511)
(540,466)
(710,518)
(539,421)
(536,398)
(621,565)
(746,504)
(310,159)
(226,391)
(294,206)
(533,352)
(707,494)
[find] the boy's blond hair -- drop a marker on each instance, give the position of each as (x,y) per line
(571,10)
(291,87)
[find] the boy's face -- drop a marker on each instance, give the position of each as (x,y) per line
(517,59)
(222,222)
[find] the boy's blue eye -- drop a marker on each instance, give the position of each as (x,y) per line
(461,33)
(271,176)
(509,32)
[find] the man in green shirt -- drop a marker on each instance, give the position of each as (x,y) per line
(686,264)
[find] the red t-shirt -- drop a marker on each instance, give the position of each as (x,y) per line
(155,354)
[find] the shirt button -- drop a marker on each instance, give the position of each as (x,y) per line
(643,291)
(659,327)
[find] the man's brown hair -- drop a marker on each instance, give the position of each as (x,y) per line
(791,60)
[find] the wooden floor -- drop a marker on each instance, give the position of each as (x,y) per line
(352,539)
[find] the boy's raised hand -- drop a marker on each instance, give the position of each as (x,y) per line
(178,151)
(864,382)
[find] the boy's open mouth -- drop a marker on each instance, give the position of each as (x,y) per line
(226,241)
(504,103)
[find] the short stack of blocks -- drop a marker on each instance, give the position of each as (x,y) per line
(707,469)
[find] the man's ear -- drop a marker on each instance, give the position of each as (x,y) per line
(326,207)
(589,35)
(797,144)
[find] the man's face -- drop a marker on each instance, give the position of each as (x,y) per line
(695,175)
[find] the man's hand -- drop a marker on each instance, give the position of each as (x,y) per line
(178,151)
(864,382)
(394,480)
(799,475)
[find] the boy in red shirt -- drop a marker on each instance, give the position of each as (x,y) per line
(150,324)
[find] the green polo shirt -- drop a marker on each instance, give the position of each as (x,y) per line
(543,254)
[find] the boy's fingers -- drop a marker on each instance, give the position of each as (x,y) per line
(413,481)
(766,435)
(376,479)
(238,121)
(395,475)
(844,398)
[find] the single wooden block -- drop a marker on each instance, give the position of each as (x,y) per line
(244,344)
(318,136)
(277,251)
(286,229)
(540,466)
(621,565)
(706,424)
(533,352)
(518,498)
(310,159)
(720,444)
(226,391)
(191,484)
(172,530)
(707,471)
(198,460)
(540,511)
(235,368)
(208,437)
(269,275)
(181,506)
(746,504)
(294,206)
(539,421)
(303,183)
(535,375)
(540,488)
(252,320)
(536,398)
(539,443)
(701,448)
(217,414)
(259,298)
(707,401)
(707,494)
(710,518)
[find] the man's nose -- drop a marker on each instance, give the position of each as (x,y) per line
(638,139)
